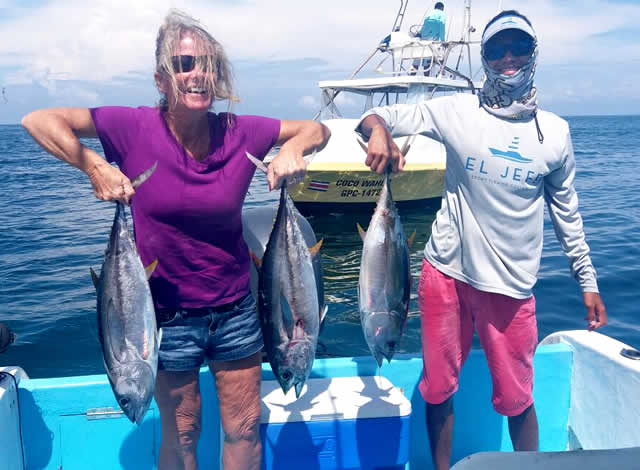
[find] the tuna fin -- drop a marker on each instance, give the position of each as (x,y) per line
(406,146)
(361,231)
(159,337)
(115,346)
(145,345)
(94,278)
(149,269)
(323,313)
(313,250)
(363,146)
(288,320)
(411,239)
(257,261)
(298,388)
(309,158)
(260,164)
(144,176)
(379,357)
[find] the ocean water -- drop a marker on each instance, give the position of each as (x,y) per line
(52,230)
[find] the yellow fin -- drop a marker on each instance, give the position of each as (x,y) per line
(149,269)
(94,277)
(257,261)
(361,231)
(313,250)
(363,146)
(411,239)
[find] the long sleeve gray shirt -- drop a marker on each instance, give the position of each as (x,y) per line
(488,232)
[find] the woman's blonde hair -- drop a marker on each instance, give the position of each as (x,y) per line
(175,26)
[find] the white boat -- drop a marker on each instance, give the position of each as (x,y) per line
(393,73)
(350,415)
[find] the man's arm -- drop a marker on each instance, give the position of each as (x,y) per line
(562,202)
(379,125)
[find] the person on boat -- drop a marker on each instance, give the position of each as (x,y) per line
(7,337)
(188,216)
(434,24)
(433,29)
(505,159)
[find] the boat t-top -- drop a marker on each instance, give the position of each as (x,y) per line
(402,68)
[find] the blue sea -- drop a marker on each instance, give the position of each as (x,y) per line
(52,230)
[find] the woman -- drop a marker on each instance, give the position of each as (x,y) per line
(188,216)
(505,159)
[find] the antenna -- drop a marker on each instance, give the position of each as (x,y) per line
(398,22)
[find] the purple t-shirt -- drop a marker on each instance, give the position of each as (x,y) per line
(188,213)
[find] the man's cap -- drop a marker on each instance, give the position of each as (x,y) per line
(503,23)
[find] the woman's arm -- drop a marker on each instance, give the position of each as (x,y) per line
(296,138)
(58,130)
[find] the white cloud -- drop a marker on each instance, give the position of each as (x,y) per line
(103,41)
(344,100)
(309,102)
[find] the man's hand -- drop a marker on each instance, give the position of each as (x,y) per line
(596,311)
(382,150)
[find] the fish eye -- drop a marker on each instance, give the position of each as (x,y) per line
(124,402)
(287,375)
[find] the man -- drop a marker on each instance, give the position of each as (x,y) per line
(432,30)
(434,24)
(481,261)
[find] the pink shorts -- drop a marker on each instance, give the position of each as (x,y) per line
(507,330)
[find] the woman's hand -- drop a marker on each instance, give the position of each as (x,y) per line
(109,183)
(287,166)
(57,131)
(296,139)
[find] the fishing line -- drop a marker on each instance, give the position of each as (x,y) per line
(15,384)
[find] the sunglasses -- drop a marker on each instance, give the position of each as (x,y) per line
(497,50)
(186,63)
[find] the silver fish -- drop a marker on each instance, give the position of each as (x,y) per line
(385,278)
(288,301)
(126,318)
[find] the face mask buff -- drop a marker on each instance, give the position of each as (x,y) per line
(510,96)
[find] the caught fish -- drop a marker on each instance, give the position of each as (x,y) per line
(126,318)
(288,304)
(385,277)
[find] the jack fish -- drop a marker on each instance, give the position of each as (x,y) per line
(288,304)
(126,318)
(385,278)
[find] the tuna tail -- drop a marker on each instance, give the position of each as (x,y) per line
(261,166)
(144,176)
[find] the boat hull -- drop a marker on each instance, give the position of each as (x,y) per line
(338,178)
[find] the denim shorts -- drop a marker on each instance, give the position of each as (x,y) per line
(224,333)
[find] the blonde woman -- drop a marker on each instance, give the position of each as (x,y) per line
(188,216)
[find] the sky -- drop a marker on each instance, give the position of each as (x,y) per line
(101,52)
